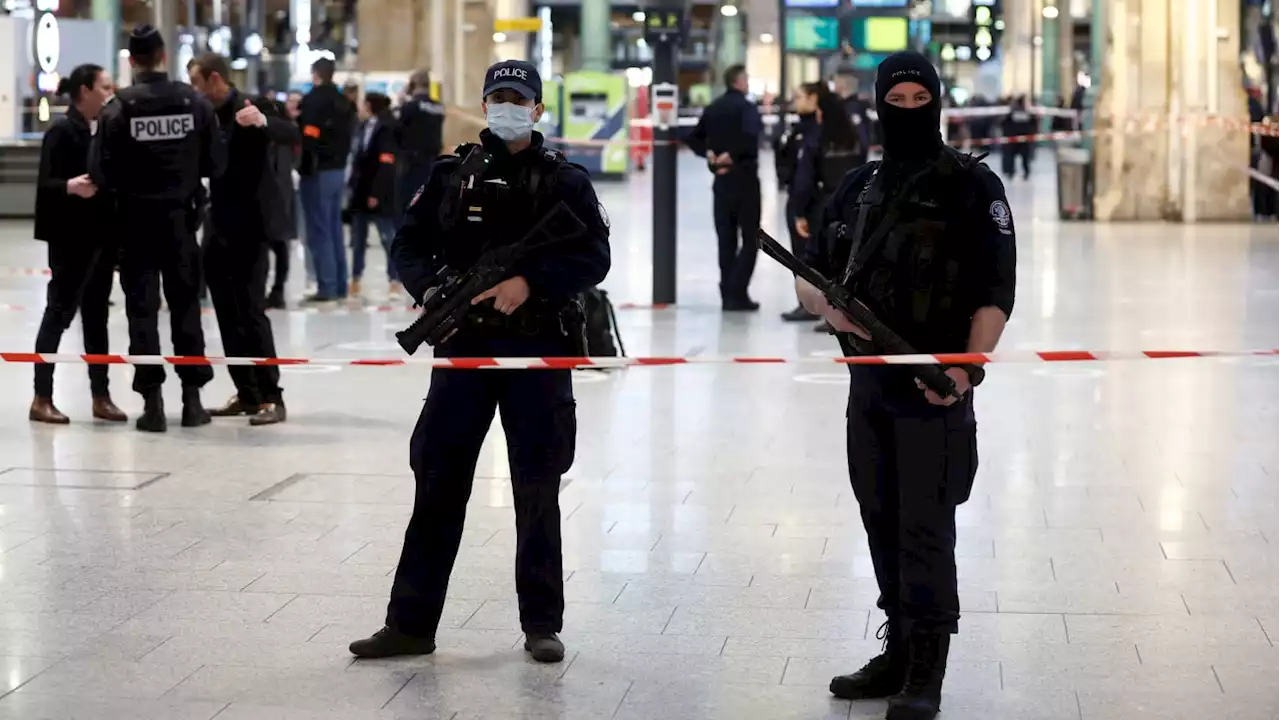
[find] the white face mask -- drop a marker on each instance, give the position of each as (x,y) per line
(510,122)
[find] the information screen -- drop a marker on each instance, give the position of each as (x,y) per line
(808,33)
(880,3)
(813,3)
(880,34)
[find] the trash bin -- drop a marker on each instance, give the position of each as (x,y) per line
(1075,184)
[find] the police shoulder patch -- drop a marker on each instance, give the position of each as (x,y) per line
(1001,216)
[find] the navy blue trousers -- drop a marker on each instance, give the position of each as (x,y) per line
(538,416)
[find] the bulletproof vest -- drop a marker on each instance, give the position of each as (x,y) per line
(834,162)
(161,141)
(501,206)
(910,275)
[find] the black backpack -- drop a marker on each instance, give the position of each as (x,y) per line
(603,338)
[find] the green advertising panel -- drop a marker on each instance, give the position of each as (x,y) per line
(594,108)
(812,33)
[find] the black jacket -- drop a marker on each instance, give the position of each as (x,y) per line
(248,203)
(420,130)
(326,121)
(731,123)
(373,168)
(61,217)
(423,245)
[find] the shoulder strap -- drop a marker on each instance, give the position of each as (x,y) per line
(544,169)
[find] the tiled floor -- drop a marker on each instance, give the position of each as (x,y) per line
(1118,556)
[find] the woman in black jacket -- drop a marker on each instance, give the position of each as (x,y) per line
(786,155)
(823,159)
(822,162)
(372,186)
(75,220)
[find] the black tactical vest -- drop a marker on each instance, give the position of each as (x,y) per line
(160,141)
(911,277)
(500,208)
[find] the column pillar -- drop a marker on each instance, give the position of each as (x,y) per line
(164,14)
(1018,61)
(1171,113)
(1051,17)
(729,47)
(595,35)
(109,11)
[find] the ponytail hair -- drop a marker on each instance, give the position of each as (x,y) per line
(84,77)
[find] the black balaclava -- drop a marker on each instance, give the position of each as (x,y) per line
(909,135)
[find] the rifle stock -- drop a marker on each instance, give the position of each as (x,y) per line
(449,300)
(883,338)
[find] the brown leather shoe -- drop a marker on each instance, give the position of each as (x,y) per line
(268,414)
(234,408)
(104,409)
(42,410)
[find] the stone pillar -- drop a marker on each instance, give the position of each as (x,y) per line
(451,38)
(595,35)
(1018,61)
(1171,114)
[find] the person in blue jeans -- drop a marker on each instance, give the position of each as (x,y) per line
(373,186)
(325,118)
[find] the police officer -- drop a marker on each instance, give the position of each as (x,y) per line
(846,88)
(531,313)
(728,134)
(247,210)
(419,136)
(153,145)
(786,157)
(926,240)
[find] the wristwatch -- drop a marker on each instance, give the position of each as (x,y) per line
(976,374)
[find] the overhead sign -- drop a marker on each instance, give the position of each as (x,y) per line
(984,31)
(663,25)
(812,33)
(524,24)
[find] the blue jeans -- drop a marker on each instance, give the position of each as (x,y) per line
(386,227)
(322,208)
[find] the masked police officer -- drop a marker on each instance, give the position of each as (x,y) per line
(925,239)
(531,313)
(153,145)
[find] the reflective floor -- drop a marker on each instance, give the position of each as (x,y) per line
(1117,558)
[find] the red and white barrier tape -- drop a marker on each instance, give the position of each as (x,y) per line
(337,310)
(544,363)
(24,272)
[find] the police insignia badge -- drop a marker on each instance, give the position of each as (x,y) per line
(1001,216)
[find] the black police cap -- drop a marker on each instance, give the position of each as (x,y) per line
(145,40)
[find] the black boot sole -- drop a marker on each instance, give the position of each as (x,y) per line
(151,424)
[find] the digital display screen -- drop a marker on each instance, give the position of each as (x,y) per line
(880,3)
(813,3)
(880,34)
(808,33)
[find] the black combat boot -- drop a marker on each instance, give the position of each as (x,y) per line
(884,675)
(389,642)
(193,412)
(921,696)
(544,647)
(152,419)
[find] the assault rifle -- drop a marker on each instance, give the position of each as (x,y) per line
(884,341)
(448,300)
